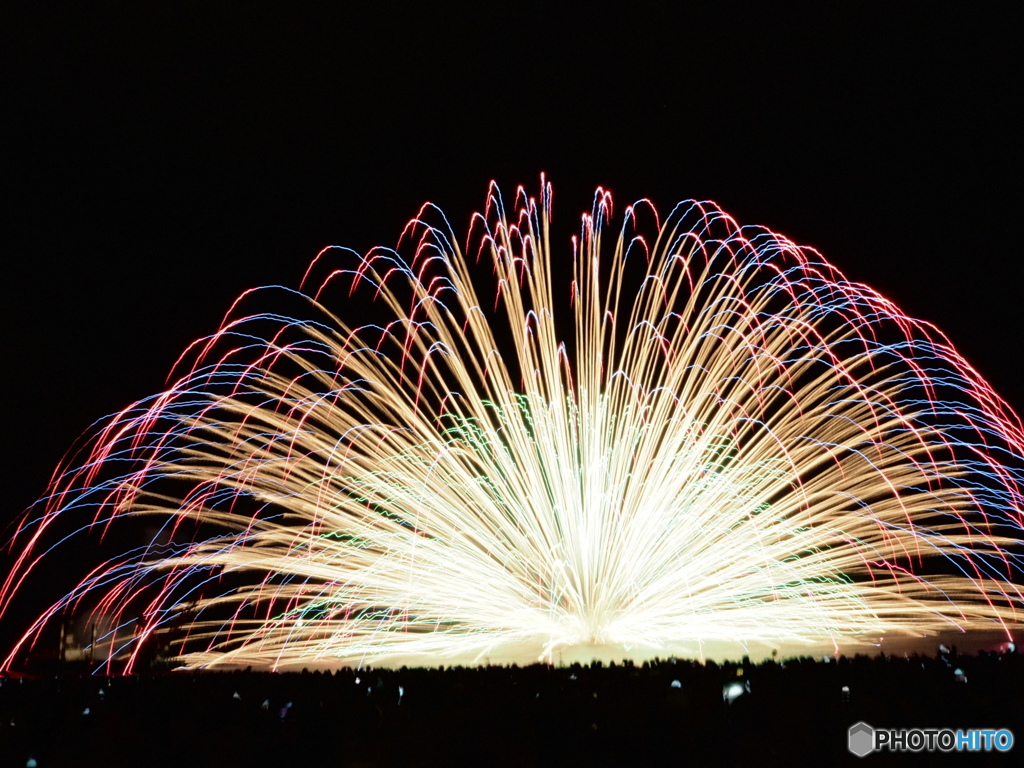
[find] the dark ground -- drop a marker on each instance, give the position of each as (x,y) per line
(663,713)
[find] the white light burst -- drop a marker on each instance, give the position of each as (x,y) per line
(704,434)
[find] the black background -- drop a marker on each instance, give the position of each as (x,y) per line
(159,160)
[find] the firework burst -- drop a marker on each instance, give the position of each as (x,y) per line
(702,433)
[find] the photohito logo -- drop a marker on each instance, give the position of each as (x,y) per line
(862,739)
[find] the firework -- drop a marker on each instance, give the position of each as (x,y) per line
(691,432)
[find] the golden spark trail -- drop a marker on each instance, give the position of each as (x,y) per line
(706,433)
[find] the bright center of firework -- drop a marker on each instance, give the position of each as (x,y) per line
(708,438)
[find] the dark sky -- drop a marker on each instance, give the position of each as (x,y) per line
(159,162)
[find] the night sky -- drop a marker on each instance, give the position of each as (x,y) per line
(159,162)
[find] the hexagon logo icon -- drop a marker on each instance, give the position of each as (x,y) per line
(861,739)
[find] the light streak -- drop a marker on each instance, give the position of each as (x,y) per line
(706,434)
